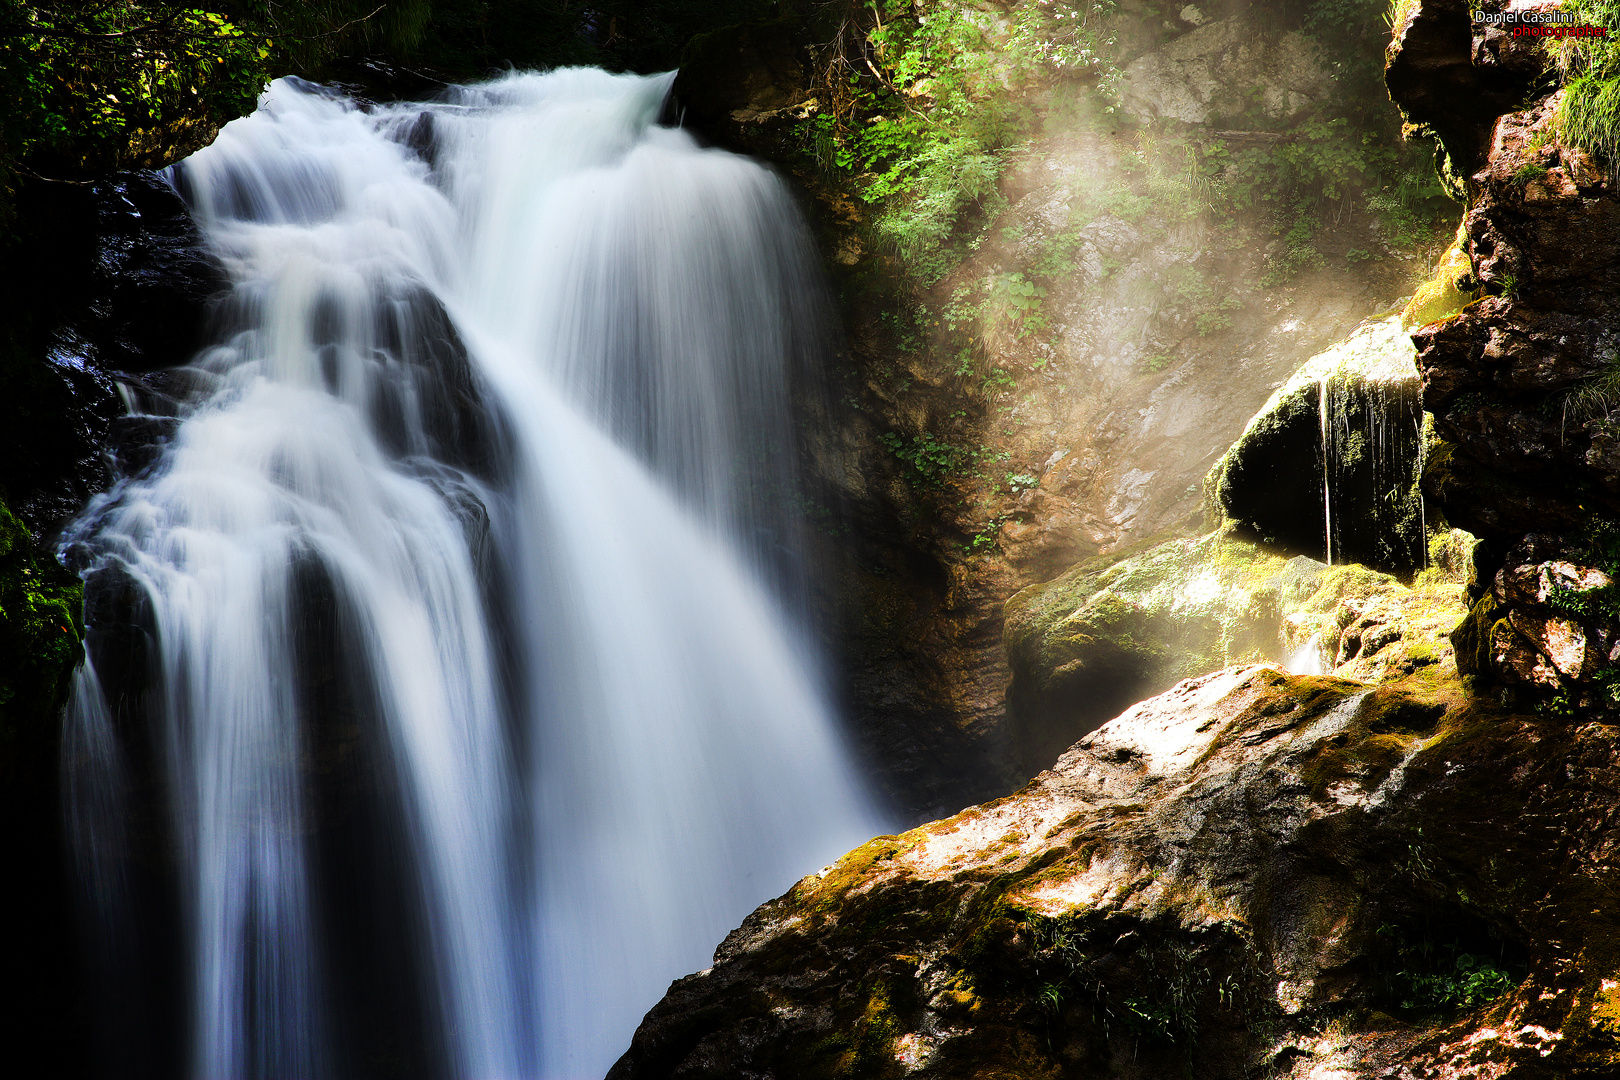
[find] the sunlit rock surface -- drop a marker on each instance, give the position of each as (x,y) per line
(1252,874)
(1522,383)
(1212,73)
(1088,643)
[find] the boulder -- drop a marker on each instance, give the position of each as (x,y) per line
(1252,874)
(1087,644)
(1330,466)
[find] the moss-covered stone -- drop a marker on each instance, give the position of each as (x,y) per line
(1344,486)
(1251,869)
(1451,288)
(1084,646)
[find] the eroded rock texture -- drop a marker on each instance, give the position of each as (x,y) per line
(107,280)
(1521,383)
(1253,874)
(1087,437)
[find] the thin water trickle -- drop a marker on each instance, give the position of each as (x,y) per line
(453,621)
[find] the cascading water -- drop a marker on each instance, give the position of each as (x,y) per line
(441,706)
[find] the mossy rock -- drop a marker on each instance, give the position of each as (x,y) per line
(1367,453)
(1253,867)
(1452,288)
(1086,645)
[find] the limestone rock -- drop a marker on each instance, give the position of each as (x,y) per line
(1250,874)
(1209,73)
(1088,643)
(1366,454)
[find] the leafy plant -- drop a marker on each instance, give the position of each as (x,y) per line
(1589,114)
(1431,976)
(925,98)
(1020,298)
(1527,173)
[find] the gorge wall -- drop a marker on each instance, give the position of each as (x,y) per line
(1037,420)
(1181,225)
(1262,874)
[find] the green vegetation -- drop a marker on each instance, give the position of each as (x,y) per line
(40,629)
(1452,287)
(87,87)
(1431,976)
(1595,397)
(1601,547)
(1527,173)
(925,100)
(1589,115)
(932,461)
(923,104)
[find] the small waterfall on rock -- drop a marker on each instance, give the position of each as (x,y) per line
(1309,659)
(441,705)
(1371,454)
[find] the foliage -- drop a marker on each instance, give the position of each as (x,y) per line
(925,98)
(1020,299)
(88,86)
(930,459)
(1601,547)
(40,628)
(1589,114)
(1527,173)
(1432,976)
(1595,397)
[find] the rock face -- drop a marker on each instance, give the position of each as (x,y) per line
(107,280)
(1253,874)
(1455,77)
(1212,72)
(1076,426)
(1088,643)
(1330,466)
(1522,384)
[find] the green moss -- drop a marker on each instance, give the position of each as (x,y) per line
(1443,295)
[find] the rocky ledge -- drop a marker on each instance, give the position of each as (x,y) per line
(1252,874)
(1524,383)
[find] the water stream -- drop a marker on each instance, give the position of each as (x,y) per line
(441,660)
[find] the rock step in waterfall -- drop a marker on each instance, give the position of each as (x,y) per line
(442,703)
(1331,466)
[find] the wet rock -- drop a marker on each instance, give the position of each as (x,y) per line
(1250,872)
(154,281)
(1085,645)
(107,280)
(1365,456)
(741,86)
(1519,382)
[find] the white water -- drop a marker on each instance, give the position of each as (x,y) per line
(552,576)
(1309,659)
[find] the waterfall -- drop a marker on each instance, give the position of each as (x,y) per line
(1371,445)
(444,697)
